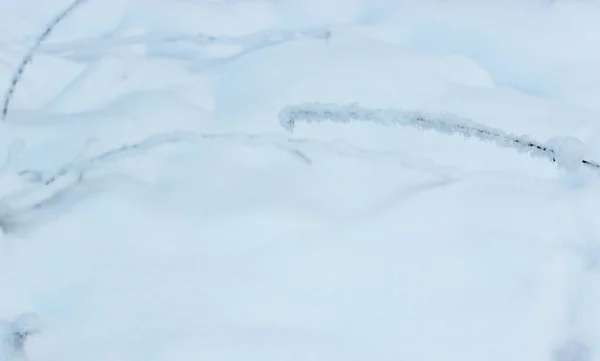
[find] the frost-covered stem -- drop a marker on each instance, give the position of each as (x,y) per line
(445,123)
(31,52)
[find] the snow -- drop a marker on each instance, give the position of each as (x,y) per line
(569,152)
(153,207)
(338,70)
(13,335)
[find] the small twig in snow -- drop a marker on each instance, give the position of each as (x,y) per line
(31,52)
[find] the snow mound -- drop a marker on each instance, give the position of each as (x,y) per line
(569,152)
(374,73)
(110,78)
(175,236)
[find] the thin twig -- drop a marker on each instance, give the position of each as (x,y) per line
(31,52)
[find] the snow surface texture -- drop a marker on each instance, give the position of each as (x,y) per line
(153,207)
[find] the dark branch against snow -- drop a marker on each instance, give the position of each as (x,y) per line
(31,52)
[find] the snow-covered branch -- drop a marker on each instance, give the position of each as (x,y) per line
(204,59)
(445,123)
(24,191)
(250,42)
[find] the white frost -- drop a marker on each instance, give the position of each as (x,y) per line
(569,152)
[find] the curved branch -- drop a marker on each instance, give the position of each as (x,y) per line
(31,52)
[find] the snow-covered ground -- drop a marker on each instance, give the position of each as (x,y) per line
(155,205)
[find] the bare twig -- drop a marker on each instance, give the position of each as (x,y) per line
(31,52)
